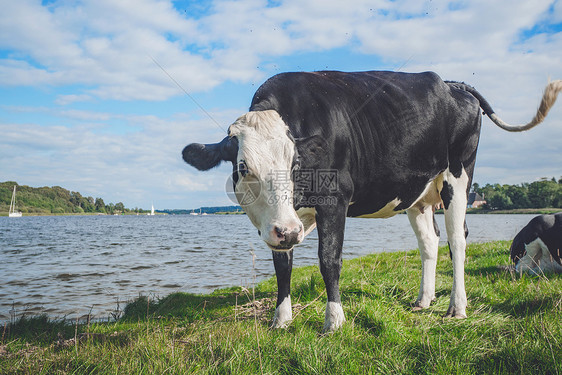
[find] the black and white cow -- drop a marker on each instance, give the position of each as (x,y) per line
(536,248)
(318,147)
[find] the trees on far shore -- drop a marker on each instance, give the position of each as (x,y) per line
(56,200)
(544,193)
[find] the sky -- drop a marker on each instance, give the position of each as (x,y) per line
(101,96)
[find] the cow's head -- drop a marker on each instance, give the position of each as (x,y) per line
(263,154)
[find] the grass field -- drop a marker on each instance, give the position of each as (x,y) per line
(513,326)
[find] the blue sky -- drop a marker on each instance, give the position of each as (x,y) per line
(84,105)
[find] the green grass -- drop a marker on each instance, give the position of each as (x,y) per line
(514,326)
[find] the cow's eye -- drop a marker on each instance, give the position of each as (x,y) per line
(242,168)
(297,165)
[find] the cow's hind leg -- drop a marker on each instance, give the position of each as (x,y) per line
(283,263)
(428,241)
(454,201)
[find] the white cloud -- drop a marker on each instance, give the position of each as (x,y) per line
(21,73)
(80,115)
(69,99)
(557,12)
(30,28)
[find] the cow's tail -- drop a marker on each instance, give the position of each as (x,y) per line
(549,97)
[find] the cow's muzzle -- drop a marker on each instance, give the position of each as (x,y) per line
(284,239)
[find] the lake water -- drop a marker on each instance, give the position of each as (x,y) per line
(73,265)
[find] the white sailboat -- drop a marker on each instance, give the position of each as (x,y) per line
(13,212)
(193,213)
(151,211)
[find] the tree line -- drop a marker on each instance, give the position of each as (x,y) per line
(545,193)
(56,200)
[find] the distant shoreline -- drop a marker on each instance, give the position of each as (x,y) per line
(5,214)
(518,211)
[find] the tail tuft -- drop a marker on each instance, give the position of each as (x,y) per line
(548,99)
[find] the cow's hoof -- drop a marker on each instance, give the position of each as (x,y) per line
(452,312)
(334,317)
(283,314)
(277,324)
(419,305)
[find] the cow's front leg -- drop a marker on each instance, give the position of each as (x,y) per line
(283,263)
(331,225)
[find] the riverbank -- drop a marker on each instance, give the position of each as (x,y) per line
(513,326)
(519,211)
(5,214)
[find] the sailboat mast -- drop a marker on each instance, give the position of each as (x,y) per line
(12,212)
(13,201)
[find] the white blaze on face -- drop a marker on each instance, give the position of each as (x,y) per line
(266,191)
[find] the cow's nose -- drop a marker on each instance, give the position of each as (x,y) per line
(291,238)
(288,237)
(280,233)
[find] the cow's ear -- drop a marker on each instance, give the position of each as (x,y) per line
(205,157)
(311,150)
